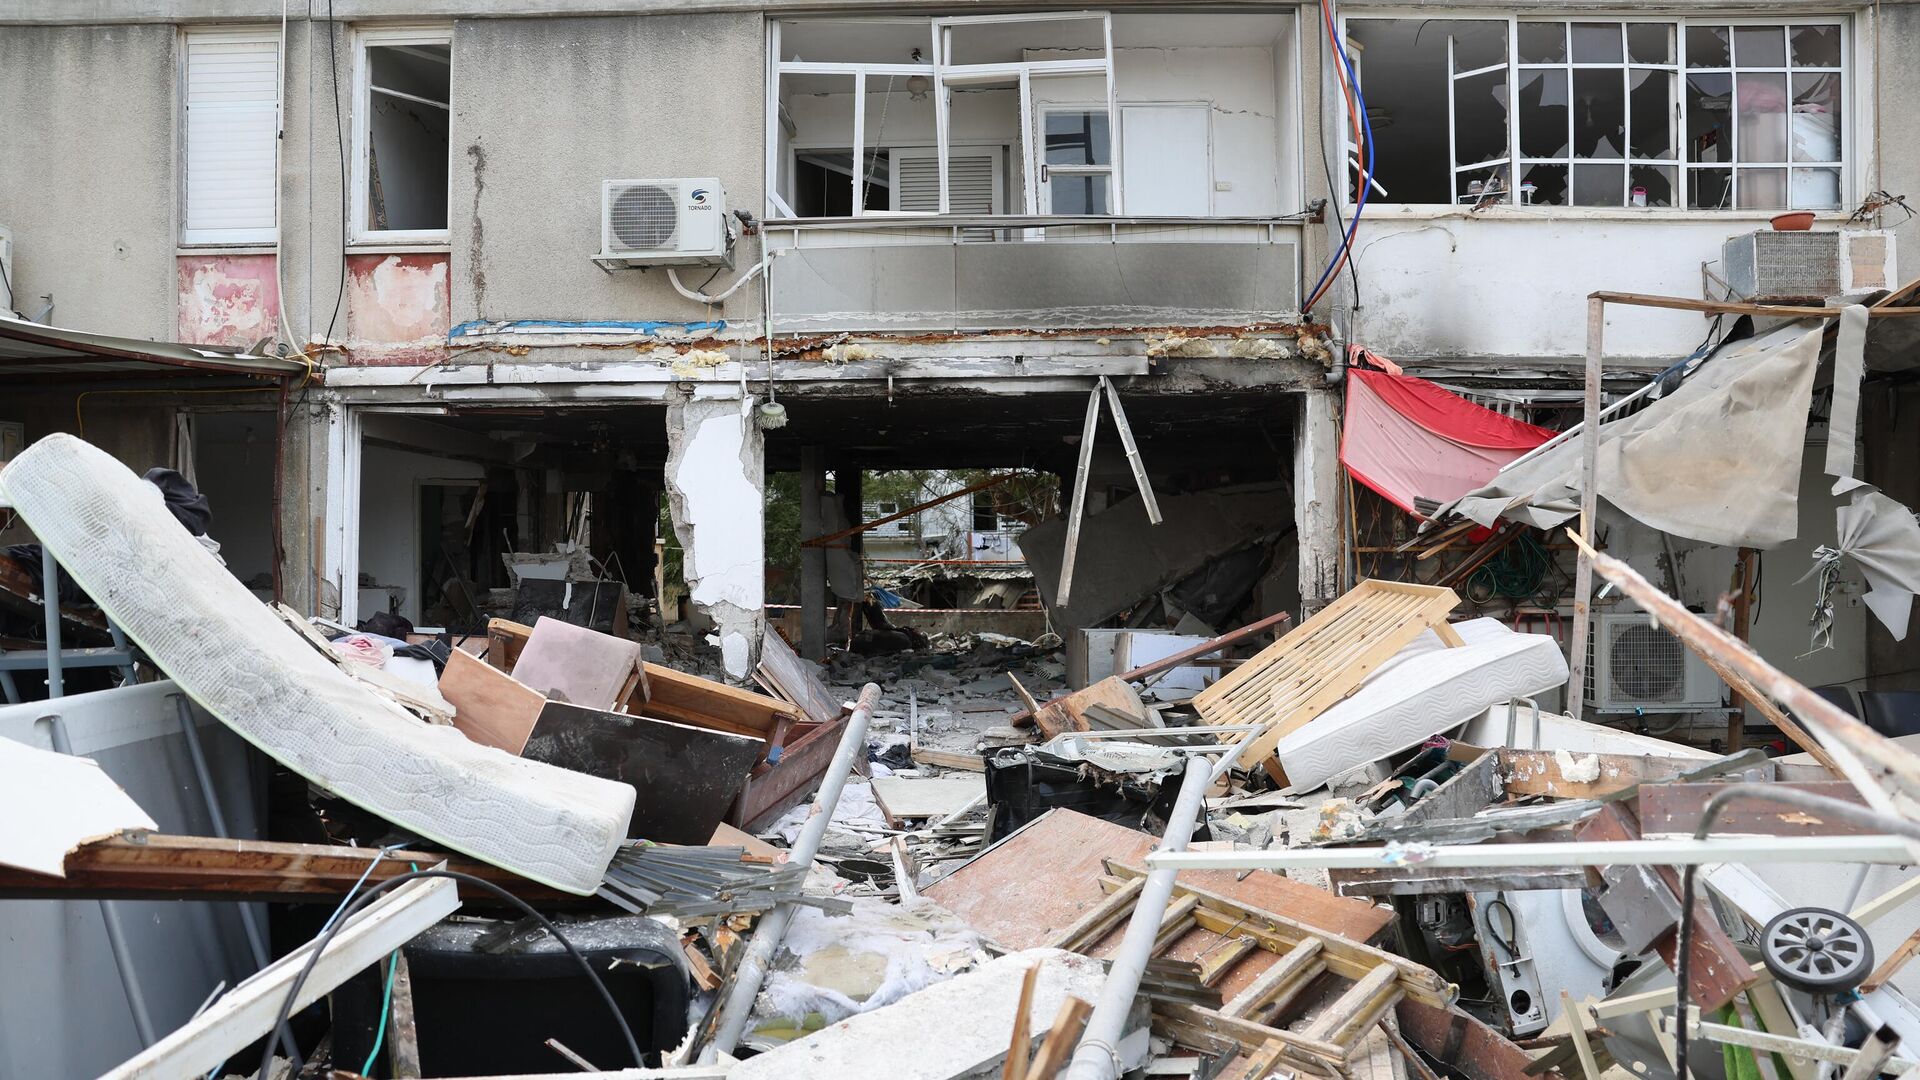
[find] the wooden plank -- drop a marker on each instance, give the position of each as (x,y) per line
(581,666)
(154,866)
(1775,715)
(758,850)
(1096,923)
(1026,698)
(1466,1044)
(1322,660)
(689,699)
(403,1038)
(1675,809)
(775,788)
(1258,1065)
(1196,1025)
(1716,969)
(1020,1045)
(1359,1008)
(505,639)
(948,759)
(1891,966)
(792,679)
(1536,772)
(247,1011)
(1731,307)
(1277,986)
(490,707)
(1069,713)
(1576,1020)
(1061,1039)
(1076,512)
(1037,883)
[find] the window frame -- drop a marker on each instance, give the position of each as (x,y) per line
(1684,168)
(240,34)
(360,235)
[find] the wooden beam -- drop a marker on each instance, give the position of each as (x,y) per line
(830,538)
(1589,466)
(149,866)
(1166,663)
(1734,307)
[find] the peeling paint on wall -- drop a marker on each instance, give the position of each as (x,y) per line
(227,299)
(398,308)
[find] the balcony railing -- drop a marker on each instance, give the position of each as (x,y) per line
(959,273)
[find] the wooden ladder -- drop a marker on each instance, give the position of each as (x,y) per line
(1251,1023)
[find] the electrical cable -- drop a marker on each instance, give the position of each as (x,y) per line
(340,140)
(1339,225)
(1683,941)
(1345,75)
(279,1033)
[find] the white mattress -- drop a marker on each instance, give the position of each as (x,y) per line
(1425,689)
(233,655)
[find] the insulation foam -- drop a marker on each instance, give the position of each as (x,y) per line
(235,657)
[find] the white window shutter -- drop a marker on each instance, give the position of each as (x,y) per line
(971,182)
(232,98)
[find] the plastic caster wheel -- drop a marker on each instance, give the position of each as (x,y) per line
(1816,950)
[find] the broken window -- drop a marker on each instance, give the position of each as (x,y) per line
(1605,112)
(403,81)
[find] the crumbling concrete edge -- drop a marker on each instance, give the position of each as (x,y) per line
(716,496)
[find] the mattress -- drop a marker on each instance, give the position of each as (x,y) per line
(1426,688)
(258,676)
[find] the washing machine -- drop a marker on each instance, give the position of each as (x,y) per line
(1536,943)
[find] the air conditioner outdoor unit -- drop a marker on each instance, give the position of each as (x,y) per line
(1768,266)
(1635,667)
(681,222)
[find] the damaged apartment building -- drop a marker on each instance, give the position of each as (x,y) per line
(1089,344)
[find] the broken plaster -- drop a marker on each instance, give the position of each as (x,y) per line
(715,470)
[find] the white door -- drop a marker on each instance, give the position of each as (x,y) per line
(1166,160)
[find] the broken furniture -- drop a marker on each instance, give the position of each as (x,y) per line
(1322,661)
(238,660)
(53,656)
(581,666)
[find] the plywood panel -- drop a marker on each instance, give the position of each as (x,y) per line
(491,707)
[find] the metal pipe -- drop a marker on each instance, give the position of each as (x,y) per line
(1096,1058)
(255,941)
(752,971)
(50,599)
(1513,719)
(116,938)
(1891,850)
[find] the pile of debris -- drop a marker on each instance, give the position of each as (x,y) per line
(1357,850)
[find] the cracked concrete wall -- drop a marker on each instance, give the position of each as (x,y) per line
(716,491)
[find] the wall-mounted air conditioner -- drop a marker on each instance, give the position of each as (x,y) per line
(1800,267)
(1636,667)
(681,222)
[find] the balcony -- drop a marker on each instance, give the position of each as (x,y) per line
(933,273)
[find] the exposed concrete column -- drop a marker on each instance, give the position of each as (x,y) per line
(716,491)
(813,560)
(1316,498)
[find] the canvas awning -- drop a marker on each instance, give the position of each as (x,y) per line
(1715,460)
(1406,437)
(32,352)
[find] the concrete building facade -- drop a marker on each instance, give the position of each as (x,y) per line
(955,224)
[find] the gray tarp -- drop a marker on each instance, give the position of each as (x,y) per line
(1883,537)
(1716,460)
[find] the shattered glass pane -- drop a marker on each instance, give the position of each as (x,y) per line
(1543,43)
(1759,46)
(1816,117)
(1650,43)
(1710,189)
(1762,189)
(1656,181)
(1599,115)
(1478,44)
(1709,46)
(1597,43)
(1814,46)
(1762,104)
(1816,189)
(1543,185)
(1492,186)
(1543,112)
(1651,100)
(1480,117)
(1709,127)
(1598,185)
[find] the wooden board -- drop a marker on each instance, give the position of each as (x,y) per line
(490,706)
(794,680)
(948,759)
(1675,809)
(1323,660)
(909,798)
(1537,772)
(581,666)
(1038,882)
(689,699)
(505,639)
(1069,713)
(725,835)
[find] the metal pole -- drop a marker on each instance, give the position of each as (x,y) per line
(188,728)
(1096,1058)
(116,939)
(1589,466)
(752,972)
(50,599)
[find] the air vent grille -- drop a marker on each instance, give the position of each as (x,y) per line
(644,217)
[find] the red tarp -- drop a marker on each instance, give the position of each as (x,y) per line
(1406,437)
